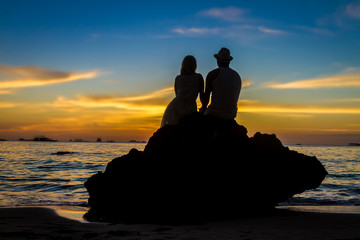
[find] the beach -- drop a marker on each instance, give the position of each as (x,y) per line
(45,223)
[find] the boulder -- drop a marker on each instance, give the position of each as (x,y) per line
(202,168)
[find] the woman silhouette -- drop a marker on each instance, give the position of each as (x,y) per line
(187,87)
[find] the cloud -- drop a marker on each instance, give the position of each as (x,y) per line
(345,100)
(317,31)
(154,103)
(5,91)
(7,105)
(195,31)
(12,77)
(253,106)
(298,109)
(352,10)
(336,81)
(238,31)
(246,82)
(344,17)
(270,31)
(231,14)
(150,103)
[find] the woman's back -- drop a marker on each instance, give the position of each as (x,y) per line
(188,86)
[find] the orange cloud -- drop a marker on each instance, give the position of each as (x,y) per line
(345,100)
(344,80)
(153,103)
(5,91)
(298,109)
(7,105)
(246,82)
(12,77)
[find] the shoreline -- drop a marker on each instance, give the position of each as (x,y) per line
(76,212)
(50,223)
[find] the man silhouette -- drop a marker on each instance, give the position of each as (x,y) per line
(224,85)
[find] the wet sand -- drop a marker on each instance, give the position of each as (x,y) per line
(45,223)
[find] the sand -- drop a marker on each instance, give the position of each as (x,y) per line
(45,223)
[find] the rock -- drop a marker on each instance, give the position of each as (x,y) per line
(202,168)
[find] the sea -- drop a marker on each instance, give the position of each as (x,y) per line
(53,173)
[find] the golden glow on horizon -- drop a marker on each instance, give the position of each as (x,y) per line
(345,80)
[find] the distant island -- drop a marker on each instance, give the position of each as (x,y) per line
(136,141)
(42,138)
(39,138)
(353,144)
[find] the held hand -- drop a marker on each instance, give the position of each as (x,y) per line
(202,110)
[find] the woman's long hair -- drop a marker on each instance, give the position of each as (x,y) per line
(188,65)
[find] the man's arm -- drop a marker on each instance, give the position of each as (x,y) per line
(208,88)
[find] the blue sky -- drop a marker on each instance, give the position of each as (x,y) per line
(86,53)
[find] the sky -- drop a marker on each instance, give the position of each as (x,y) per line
(89,69)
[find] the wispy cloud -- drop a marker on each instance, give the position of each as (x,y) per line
(349,100)
(231,14)
(246,82)
(237,25)
(195,31)
(353,10)
(269,30)
(345,16)
(5,91)
(153,102)
(260,108)
(150,103)
(233,31)
(317,31)
(12,77)
(336,81)
(7,105)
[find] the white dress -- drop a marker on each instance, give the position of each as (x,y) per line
(187,88)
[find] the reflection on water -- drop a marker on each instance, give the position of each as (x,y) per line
(53,173)
(32,173)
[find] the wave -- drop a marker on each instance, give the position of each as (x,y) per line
(300,201)
(63,153)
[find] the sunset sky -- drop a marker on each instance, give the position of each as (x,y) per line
(88,69)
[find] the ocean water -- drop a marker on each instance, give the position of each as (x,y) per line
(53,173)
(342,185)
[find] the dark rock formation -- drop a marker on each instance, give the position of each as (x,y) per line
(202,168)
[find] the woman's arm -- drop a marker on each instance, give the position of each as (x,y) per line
(201,87)
(175,86)
(208,89)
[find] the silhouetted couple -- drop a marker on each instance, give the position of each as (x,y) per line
(223,83)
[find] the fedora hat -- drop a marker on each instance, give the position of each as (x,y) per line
(223,55)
